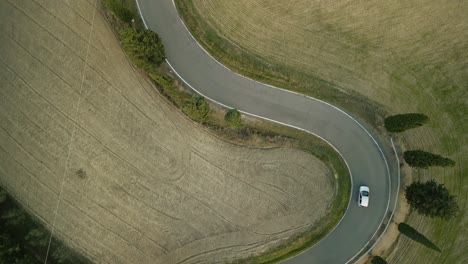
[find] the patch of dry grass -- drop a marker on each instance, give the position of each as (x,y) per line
(370,57)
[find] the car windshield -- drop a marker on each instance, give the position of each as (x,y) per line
(365,193)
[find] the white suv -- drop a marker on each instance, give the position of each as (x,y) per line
(363,196)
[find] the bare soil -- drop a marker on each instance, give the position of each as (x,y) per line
(88,140)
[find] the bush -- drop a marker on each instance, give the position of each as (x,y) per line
(144,47)
(168,89)
(120,10)
(400,123)
(431,199)
(414,235)
(423,159)
(233,118)
(378,260)
(197,108)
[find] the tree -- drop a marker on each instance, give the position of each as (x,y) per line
(233,118)
(413,234)
(14,217)
(144,47)
(431,199)
(423,159)
(3,195)
(378,260)
(197,108)
(402,122)
(37,238)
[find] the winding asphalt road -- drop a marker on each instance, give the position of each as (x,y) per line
(364,157)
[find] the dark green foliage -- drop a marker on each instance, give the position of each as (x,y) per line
(233,118)
(423,159)
(24,240)
(120,10)
(197,108)
(431,199)
(37,238)
(167,87)
(144,47)
(413,234)
(378,260)
(3,195)
(400,123)
(164,80)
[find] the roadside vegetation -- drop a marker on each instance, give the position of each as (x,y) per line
(24,240)
(345,54)
(233,118)
(144,47)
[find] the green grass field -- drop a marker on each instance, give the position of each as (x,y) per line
(372,58)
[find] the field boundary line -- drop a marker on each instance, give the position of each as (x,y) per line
(77,108)
(265,118)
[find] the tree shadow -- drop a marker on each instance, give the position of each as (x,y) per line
(414,235)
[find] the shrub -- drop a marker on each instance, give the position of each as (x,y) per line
(168,88)
(414,235)
(197,108)
(165,81)
(144,47)
(431,199)
(378,260)
(233,118)
(120,10)
(423,159)
(400,123)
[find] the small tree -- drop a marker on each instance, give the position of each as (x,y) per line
(144,47)
(197,108)
(423,159)
(233,118)
(378,260)
(413,234)
(431,199)
(400,123)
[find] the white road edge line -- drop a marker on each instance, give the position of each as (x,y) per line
(312,98)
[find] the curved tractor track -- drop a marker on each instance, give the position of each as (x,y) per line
(365,156)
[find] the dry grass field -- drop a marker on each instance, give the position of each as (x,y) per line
(157,187)
(383,57)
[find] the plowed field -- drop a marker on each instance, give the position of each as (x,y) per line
(90,147)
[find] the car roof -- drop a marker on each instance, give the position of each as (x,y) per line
(364,188)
